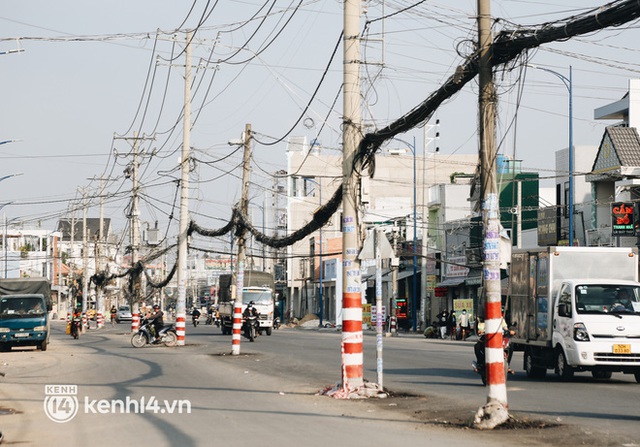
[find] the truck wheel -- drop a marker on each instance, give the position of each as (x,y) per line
(533,372)
(601,374)
(637,376)
(43,345)
(268,330)
(563,370)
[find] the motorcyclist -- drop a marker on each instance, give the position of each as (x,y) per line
(195,314)
(250,311)
(478,348)
(76,322)
(156,319)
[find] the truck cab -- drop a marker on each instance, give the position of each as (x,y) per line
(597,327)
(24,321)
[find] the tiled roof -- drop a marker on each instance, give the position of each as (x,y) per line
(626,143)
(619,147)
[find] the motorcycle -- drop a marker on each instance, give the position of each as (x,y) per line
(276,323)
(75,327)
(250,326)
(209,320)
(145,335)
(479,365)
(195,319)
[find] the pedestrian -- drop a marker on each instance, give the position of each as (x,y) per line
(443,318)
(464,324)
(451,325)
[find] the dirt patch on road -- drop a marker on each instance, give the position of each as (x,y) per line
(519,430)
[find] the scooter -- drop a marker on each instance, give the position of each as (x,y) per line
(209,320)
(276,323)
(479,365)
(76,327)
(145,336)
(251,326)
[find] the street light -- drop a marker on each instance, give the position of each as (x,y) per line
(568,83)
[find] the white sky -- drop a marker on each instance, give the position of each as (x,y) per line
(83,78)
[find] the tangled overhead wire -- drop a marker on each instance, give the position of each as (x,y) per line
(506,47)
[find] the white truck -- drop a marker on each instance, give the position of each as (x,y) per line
(569,311)
(258,287)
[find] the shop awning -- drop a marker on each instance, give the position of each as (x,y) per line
(450,282)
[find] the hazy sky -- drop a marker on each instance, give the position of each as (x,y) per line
(91,74)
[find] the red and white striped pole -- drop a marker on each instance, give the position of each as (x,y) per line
(244,206)
(100,320)
(135,317)
(181,324)
(494,412)
(237,310)
(352,359)
(135,321)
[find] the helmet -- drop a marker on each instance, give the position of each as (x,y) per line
(156,307)
(251,303)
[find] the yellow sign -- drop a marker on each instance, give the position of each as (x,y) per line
(366,314)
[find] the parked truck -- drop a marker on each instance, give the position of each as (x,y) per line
(258,287)
(24,312)
(569,311)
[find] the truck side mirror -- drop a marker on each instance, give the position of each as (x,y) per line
(563,310)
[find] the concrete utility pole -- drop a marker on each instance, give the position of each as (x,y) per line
(239,279)
(495,411)
(135,239)
(72,269)
(393,320)
(100,266)
(99,263)
(352,358)
(184,199)
(85,261)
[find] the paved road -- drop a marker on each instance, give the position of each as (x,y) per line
(267,395)
(224,401)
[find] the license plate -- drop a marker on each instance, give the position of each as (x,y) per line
(622,349)
(21,335)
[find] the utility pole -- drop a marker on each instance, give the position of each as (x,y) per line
(135,240)
(132,172)
(72,275)
(85,261)
(393,320)
(239,280)
(495,411)
(100,249)
(352,358)
(184,199)
(99,266)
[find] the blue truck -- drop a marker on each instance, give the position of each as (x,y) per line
(24,312)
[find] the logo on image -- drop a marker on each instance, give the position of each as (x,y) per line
(61,402)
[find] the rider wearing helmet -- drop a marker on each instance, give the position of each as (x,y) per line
(156,320)
(250,310)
